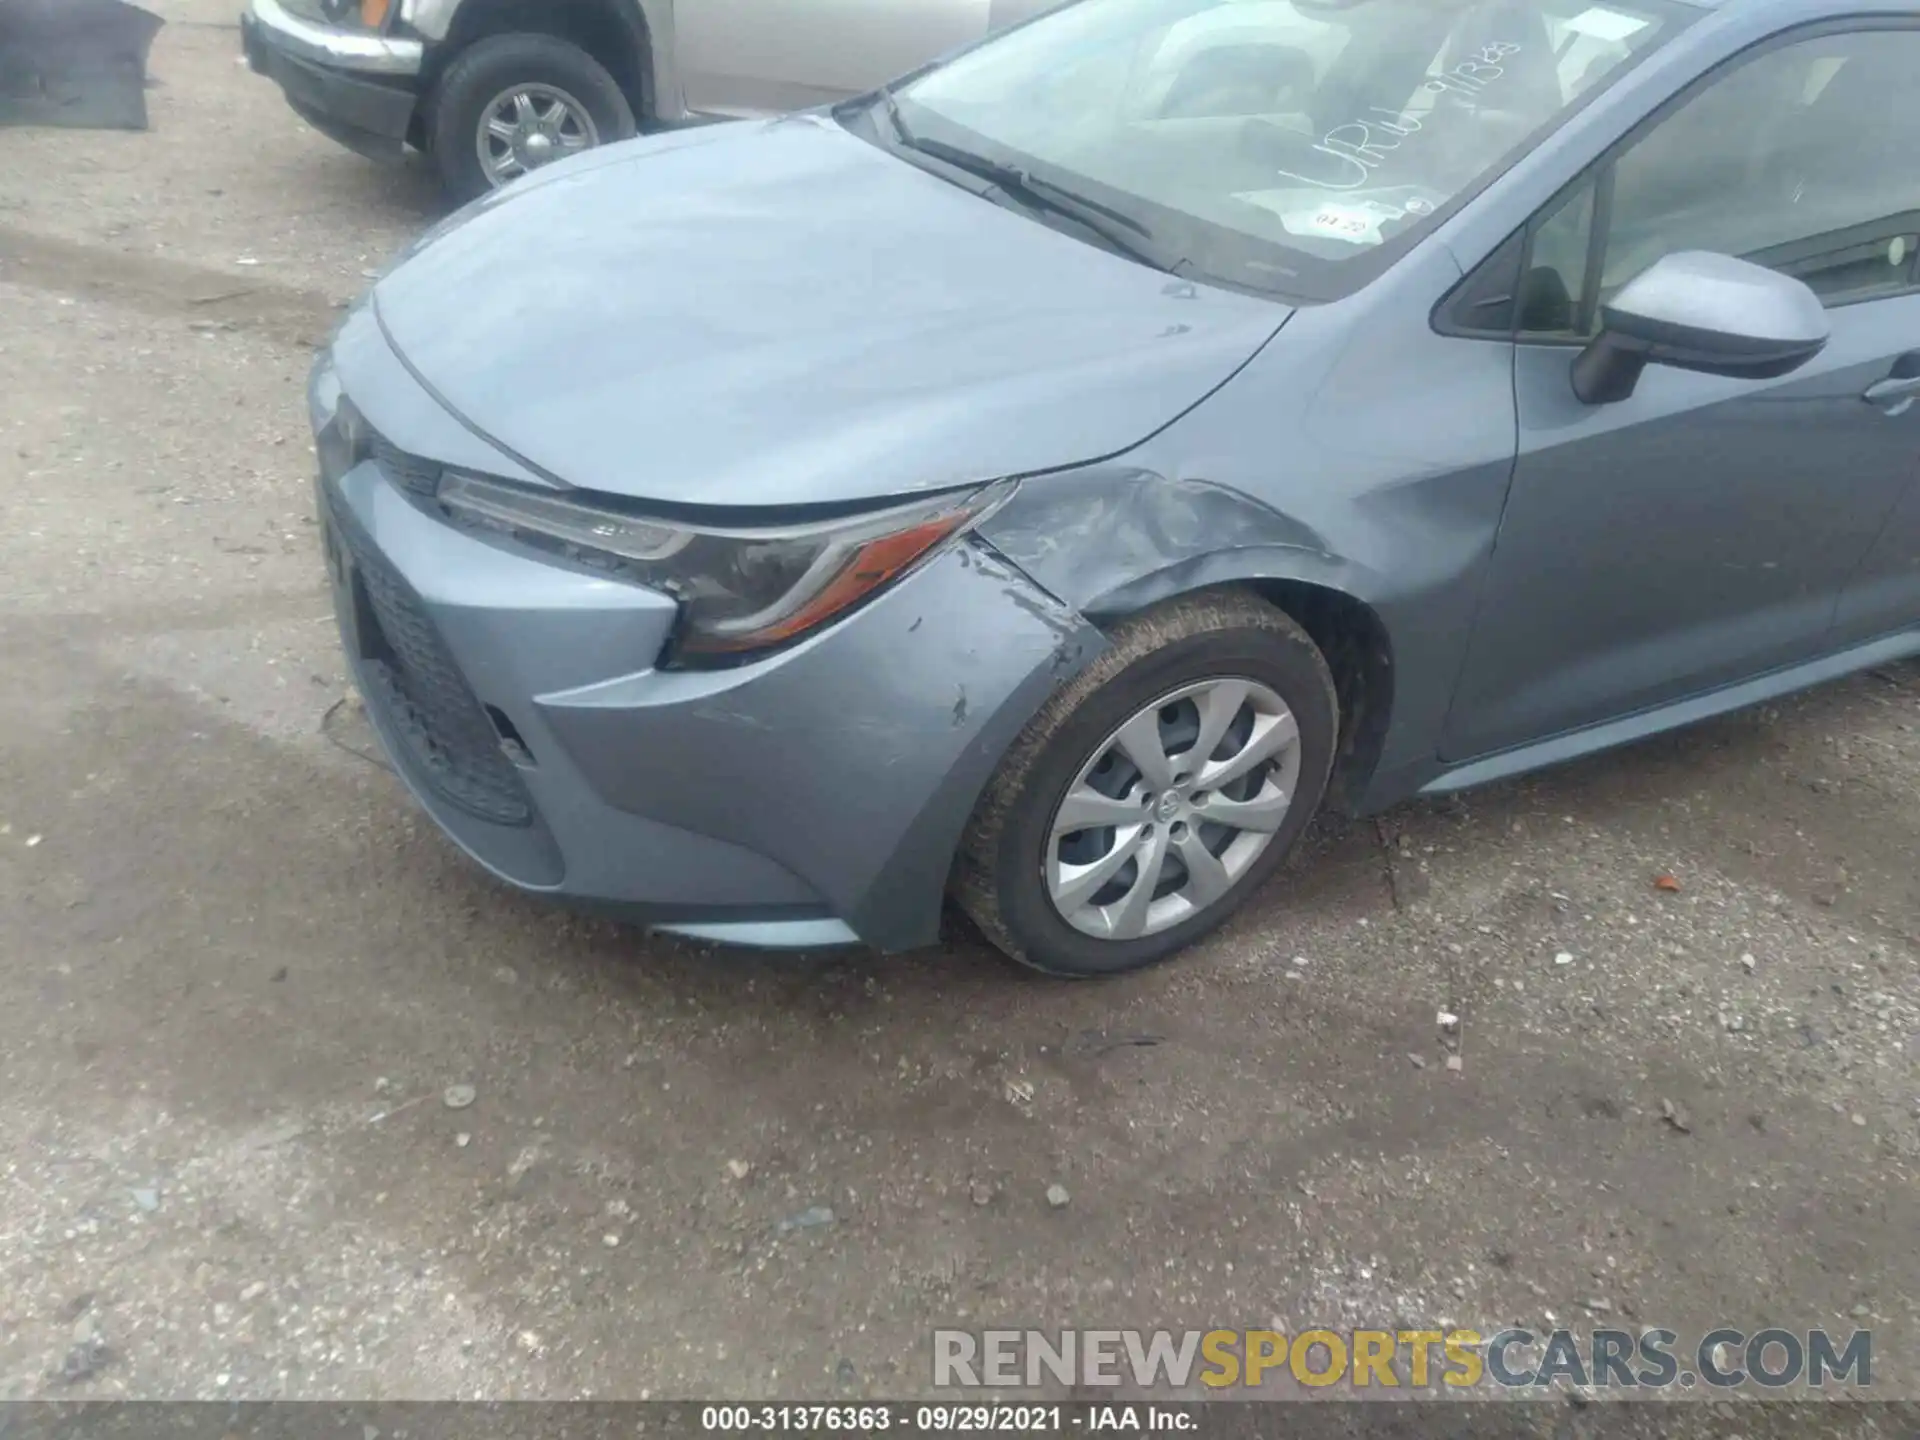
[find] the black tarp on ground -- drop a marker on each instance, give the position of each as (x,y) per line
(78,63)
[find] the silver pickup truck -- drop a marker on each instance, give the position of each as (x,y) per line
(493,88)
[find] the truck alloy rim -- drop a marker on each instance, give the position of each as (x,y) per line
(1173,809)
(529,126)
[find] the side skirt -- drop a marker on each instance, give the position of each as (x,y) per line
(1608,734)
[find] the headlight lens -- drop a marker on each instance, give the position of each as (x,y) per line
(741,591)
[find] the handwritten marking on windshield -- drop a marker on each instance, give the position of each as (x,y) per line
(1359,147)
(1476,72)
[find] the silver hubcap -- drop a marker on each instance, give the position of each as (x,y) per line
(1173,809)
(529,126)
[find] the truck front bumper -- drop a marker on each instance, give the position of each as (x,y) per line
(359,89)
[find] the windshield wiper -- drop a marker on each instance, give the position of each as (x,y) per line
(1113,227)
(901,130)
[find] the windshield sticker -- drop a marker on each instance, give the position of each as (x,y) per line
(1337,222)
(1608,25)
(1353,223)
(1354,150)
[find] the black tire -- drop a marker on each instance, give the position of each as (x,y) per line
(999,878)
(489,68)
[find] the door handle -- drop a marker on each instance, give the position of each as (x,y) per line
(1900,389)
(1893,390)
(1895,397)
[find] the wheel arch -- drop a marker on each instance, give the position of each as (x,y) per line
(1188,642)
(1112,540)
(1307,587)
(901,912)
(619,34)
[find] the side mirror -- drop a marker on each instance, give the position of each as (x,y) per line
(1696,310)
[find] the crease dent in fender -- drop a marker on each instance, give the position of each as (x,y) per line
(1106,539)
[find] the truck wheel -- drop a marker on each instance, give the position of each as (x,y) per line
(512,103)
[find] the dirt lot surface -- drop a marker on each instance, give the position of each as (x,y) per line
(238,972)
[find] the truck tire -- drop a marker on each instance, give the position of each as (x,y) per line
(512,103)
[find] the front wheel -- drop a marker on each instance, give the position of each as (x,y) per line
(513,103)
(1152,795)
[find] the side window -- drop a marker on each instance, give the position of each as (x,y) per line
(1795,161)
(1553,287)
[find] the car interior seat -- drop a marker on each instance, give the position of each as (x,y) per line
(1239,80)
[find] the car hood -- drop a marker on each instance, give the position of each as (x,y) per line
(778,313)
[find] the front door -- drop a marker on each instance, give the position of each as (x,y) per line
(1704,530)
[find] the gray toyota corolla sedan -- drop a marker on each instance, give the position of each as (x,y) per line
(1046,481)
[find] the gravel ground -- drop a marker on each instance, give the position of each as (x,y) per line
(238,973)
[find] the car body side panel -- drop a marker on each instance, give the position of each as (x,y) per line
(1884,596)
(760,56)
(1363,453)
(764,57)
(1697,534)
(855,760)
(663,39)
(1756,690)
(433,21)
(1657,680)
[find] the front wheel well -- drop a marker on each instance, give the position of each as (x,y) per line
(614,34)
(1354,642)
(1356,647)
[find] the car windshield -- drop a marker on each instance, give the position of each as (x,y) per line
(1282,146)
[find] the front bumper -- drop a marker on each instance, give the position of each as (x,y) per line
(812,796)
(360,90)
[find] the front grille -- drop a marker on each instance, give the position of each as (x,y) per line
(419,689)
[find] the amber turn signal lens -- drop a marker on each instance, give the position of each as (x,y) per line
(373,13)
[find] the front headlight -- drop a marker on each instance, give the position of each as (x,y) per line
(741,591)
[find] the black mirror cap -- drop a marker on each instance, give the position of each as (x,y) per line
(1712,352)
